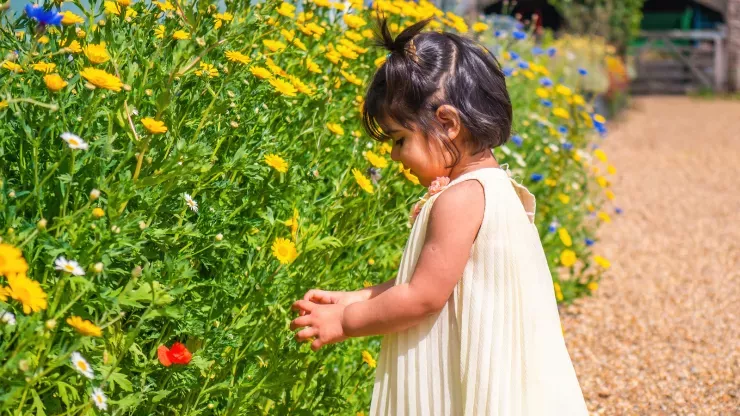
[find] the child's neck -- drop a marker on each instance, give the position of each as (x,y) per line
(468,163)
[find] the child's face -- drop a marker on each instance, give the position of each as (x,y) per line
(424,156)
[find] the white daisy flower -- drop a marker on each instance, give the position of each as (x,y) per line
(68,266)
(99,399)
(7,318)
(81,365)
(74,141)
(191,202)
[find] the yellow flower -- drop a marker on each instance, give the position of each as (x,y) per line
(568,257)
(610,195)
(410,176)
(112,8)
(479,27)
(71,18)
(611,169)
(207,69)
(322,3)
(543,93)
(602,262)
(102,79)
(333,56)
(599,118)
(165,6)
(601,155)
(354,21)
(347,52)
(300,85)
(283,87)
(335,128)
(592,286)
(273,45)
(550,182)
(284,250)
(565,237)
(44,67)
(222,17)
(312,66)
(368,358)
(181,35)
(54,82)
(124,3)
(154,126)
(260,72)
(602,181)
(44,40)
(235,56)
(558,291)
(159,32)
(74,47)
(98,212)
(315,29)
(364,182)
(351,78)
(3,104)
(385,148)
(97,53)
(4,293)
(380,61)
(276,162)
(12,67)
(26,291)
(603,216)
(275,68)
(84,327)
(293,223)
(563,90)
(368,34)
(11,260)
(375,160)
(286,9)
(367,283)
(578,100)
(561,112)
(353,35)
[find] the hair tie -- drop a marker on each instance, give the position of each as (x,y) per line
(412,51)
(388,55)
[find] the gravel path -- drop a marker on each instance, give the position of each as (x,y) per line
(661,335)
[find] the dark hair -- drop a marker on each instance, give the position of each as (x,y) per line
(426,70)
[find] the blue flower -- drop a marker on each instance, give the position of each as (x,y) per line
(517,139)
(582,71)
(553,227)
(551,52)
(536,177)
(545,82)
(514,55)
(519,35)
(567,145)
(498,34)
(563,130)
(589,242)
(546,103)
(523,65)
(618,210)
(44,17)
(508,72)
(537,51)
(601,128)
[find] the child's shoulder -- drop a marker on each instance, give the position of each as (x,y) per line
(458,209)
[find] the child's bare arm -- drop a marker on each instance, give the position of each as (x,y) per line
(452,228)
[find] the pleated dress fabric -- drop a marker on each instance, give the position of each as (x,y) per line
(497,347)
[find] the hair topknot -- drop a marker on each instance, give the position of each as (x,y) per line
(424,70)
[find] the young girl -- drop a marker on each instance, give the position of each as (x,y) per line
(471,324)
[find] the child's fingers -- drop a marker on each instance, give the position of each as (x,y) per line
(316,344)
(318,295)
(303,305)
(306,334)
(300,322)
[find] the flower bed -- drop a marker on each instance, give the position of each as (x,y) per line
(173,176)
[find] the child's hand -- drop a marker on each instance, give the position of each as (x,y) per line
(329,297)
(323,322)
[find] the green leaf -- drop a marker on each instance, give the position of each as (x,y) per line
(37,403)
(160,395)
(63,388)
(121,380)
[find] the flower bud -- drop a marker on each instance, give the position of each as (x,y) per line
(23,365)
(94,194)
(51,324)
(98,267)
(41,224)
(11,194)
(142,225)
(219,237)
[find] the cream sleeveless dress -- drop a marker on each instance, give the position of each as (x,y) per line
(496,348)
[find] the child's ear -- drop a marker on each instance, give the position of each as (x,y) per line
(448,116)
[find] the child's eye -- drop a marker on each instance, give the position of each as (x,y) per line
(399,142)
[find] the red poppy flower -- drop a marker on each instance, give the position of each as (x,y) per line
(178,354)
